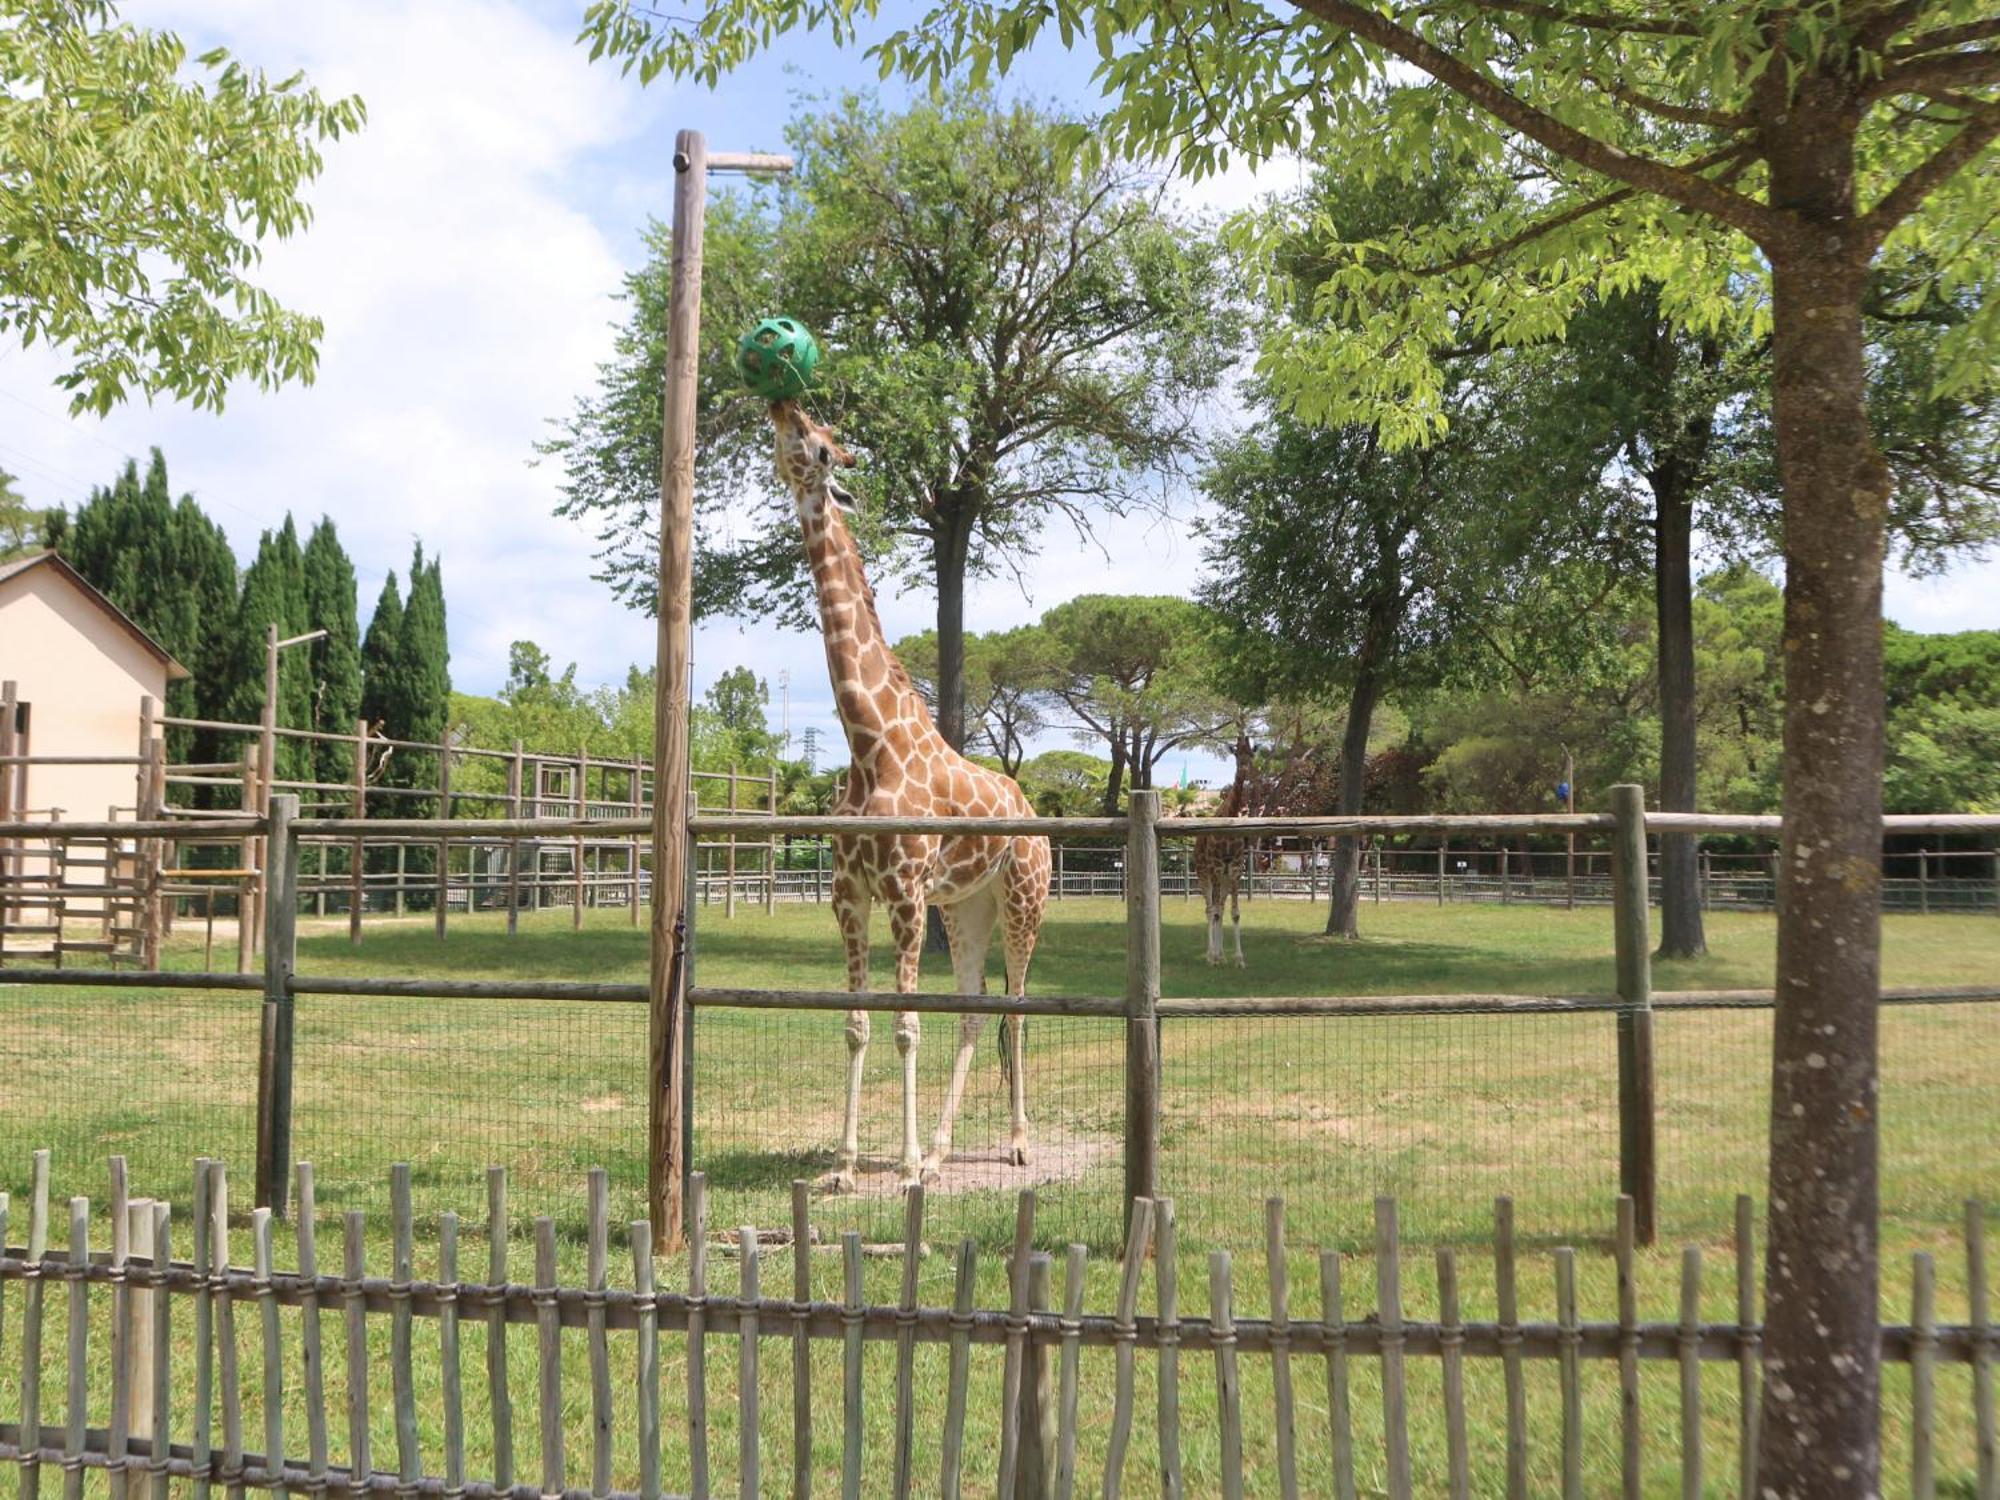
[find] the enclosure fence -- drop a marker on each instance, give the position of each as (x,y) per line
(152,1348)
(1146,1082)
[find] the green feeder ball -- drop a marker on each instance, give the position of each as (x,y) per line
(776,359)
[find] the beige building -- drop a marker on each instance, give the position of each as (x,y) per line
(78,669)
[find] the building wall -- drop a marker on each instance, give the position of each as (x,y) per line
(83,675)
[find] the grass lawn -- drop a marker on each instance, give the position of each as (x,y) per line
(1443,1111)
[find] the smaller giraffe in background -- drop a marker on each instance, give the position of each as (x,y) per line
(1218,858)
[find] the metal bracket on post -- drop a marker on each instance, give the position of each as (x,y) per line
(274,1057)
(1637,1168)
(1142,999)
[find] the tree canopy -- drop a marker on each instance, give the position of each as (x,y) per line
(139,183)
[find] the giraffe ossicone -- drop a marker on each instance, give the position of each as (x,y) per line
(901,766)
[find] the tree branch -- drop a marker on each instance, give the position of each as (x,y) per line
(1676,184)
(1591,20)
(1907,196)
(1952,70)
(1947,36)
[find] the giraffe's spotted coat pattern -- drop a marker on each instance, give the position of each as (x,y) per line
(902,766)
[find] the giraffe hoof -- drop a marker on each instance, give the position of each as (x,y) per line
(1241,962)
(1017,1154)
(840,1180)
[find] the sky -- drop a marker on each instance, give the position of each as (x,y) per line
(465,254)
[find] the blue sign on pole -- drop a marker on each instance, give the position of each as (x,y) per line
(1562,792)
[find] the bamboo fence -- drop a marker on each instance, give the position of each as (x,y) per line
(178,1329)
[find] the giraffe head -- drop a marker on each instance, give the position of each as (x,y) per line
(808,455)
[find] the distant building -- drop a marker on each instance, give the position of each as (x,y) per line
(78,668)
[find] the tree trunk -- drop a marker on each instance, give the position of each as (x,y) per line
(1673,594)
(1343,913)
(949,543)
(1114,783)
(1820,1432)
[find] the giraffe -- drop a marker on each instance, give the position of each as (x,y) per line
(1218,859)
(901,765)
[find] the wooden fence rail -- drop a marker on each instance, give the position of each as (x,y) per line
(188,1337)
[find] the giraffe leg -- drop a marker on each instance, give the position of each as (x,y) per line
(906,926)
(851,911)
(1211,908)
(969,926)
(1022,902)
(1236,920)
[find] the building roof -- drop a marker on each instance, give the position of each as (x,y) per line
(20,565)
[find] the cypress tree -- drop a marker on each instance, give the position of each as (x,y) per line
(336,660)
(378,661)
(274,593)
(423,675)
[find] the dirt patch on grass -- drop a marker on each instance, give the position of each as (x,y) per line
(601,1104)
(988,1169)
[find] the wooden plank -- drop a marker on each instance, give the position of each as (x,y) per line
(33,1295)
(1979,1306)
(951,1446)
(1509,1319)
(1452,1339)
(851,1369)
(549,1346)
(200,1437)
(228,1366)
(697,1334)
(163,1346)
(409,1465)
(1923,1376)
(357,861)
(353,1268)
(1389,1313)
(78,1352)
(1631,1460)
(1035,1469)
(647,1353)
(1339,1414)
(273,1362)
(119,1432)
(499,1402)
(597,1272)
(1075,1265)
(1572,1391)
(1142,998)
(747,1418)
(802,1420)
(1228,1391)
(1749,1340)
(906,1338)
(274,1058)
(1166,1285)
(1138,1241)
(1017,1335)
(1690,1338)
(451,1378)
(1281,1341)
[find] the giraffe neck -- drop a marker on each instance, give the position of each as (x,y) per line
(880,708)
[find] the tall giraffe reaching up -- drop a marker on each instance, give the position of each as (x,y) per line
(903,767)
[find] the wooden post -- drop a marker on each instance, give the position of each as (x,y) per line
(250,859)
(1569,839)
(1636,1174)
(514,845)
(1034,1473)
(1142,996)
(1923,883)
(632,854)
(402,872)
(444,845)
(357,854)
(267,772)
(577,851)
(667,1020)
(146,856)
(274,1061)
(1442,842)
(729,873)
(9,712)
(771,847)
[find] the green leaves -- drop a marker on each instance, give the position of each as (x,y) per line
(133,201)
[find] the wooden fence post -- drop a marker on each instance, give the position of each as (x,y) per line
(1142,997)
(357,854)
(771,848)
(577,852)
(514,845)
(274,1056)
(1442,844)
(444,845)
(729,874)
(251,859)
(1035,1471)
(1633,940)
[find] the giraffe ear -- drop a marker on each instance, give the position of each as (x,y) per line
(842,498)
